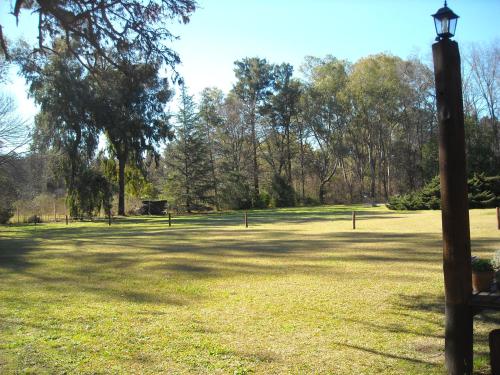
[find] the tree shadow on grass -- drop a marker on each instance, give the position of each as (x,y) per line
(14,253)
(435,304)
(210,253)
(386,355)
(393,328)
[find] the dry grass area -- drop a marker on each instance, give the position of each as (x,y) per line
(298,292)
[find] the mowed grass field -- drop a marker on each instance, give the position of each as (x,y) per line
(298,292)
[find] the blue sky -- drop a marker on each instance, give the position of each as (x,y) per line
(222,31)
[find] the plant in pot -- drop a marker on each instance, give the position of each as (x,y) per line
(495,262)
(482,274)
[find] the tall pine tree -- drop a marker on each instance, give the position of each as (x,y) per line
(189,177)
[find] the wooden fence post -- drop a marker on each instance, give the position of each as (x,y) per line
(66,219)
(109,218)
(246,219)
(169,219)
(353,219)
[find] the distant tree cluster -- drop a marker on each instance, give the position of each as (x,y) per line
(346,132)
(342,133)
(95,71)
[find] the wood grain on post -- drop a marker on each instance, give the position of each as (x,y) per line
(494,341)
(498,218)
(454,208)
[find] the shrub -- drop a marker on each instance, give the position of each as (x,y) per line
(282,193)
(5,214)
(484,192)
(309,201)
(481,265)
(262,201)
(235,192)
(34,219)
(495,262)
(7,197)
(90,192)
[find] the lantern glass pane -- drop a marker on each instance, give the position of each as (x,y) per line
(445,26)
(453,26)
(437,23)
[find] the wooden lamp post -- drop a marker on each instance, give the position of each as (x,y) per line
(454,203)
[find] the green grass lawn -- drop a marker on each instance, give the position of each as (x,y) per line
(297,292)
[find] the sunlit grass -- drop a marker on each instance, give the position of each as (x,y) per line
(297,292)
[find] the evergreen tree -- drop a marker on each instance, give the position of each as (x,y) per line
(189,177)
(212,100)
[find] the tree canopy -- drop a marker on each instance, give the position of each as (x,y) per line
(99,30)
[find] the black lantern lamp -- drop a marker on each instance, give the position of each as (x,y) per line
(446,22)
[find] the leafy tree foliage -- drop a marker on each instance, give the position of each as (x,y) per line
(91,192)
(64,124)
(344,132)
(130,109)
(325,111)
(76,107)
(93,31)
(282,193)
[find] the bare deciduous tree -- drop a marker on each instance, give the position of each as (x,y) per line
(14,133)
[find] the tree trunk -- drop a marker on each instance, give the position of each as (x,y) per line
(121,185)
(347,182)
(302,162)
(322,193)
(255,163)
(288,156)
(214,181)
(372,174)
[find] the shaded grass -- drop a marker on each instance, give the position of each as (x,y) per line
(297,292)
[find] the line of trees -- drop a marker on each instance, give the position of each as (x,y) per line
(343,132)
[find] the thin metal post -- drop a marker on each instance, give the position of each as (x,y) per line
(454,208)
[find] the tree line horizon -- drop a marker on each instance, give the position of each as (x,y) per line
(345,133)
